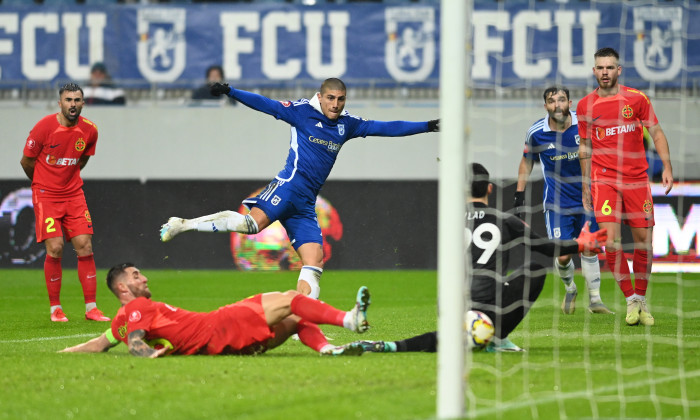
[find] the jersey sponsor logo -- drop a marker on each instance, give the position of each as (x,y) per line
(410,51)
(603,132)
(30,143)
(331,145)
(135,316)
(319,125)
(658,48)
(161,49)
(56,161)
(80,145)
(627,112)
(341,129)
(286,104)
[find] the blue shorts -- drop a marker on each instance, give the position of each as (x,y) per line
(296,212)
(567,226)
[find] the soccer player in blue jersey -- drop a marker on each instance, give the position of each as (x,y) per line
(319,128)
(554,141)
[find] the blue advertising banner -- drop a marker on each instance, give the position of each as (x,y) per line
(513,44)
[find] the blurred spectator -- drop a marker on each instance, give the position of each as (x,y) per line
(101,90)
(215,74)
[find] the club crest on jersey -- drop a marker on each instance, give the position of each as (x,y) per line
(647,207)
(286,104)
(341,129)
(122,330)
(161,50)
(80,144)
(135,316)
(275,200)
(31,143)
(409,51)
(556,232)
(88,218)
(578,139)
(627,112)
(658,49)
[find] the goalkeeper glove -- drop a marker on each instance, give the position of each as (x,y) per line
(591,241)
(218,89)
(433,125)
(518,204)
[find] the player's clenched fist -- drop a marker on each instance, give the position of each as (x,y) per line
(218,89)
(591,241)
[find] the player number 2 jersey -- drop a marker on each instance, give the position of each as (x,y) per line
(58,150)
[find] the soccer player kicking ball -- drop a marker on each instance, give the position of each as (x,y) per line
(251,326)
(57,149)
(320,127)
(615,181)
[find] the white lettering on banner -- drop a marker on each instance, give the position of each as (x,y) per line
(162,48)
(485,45)
(10,23)
(564,20)
(313,21)
(521,24)
(668,230)
(32,22)
(271,67)
(72,22)
(655,42)
(234,45)
(410,52)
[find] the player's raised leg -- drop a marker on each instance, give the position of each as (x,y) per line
(223,221)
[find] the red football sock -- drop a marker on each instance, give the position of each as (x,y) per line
(87,274)
(621,271)
(53,275)
(316,311)
(641,264)
(310,334)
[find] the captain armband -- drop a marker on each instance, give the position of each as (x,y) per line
(110,337)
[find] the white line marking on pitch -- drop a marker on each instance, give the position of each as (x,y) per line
(29,340)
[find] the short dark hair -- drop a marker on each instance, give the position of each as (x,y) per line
(70,87)
(553,90)
(334,84)
(480,181)
(215,67)
(607,52)
(116,272)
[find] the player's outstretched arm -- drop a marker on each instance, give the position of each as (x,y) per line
(138,347)
(95,345)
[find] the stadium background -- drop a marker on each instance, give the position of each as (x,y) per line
(164,154)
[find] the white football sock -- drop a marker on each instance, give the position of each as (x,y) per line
(591,272)
(224,221)
(312,276)
(566,274)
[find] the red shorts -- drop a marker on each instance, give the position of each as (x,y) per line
(630,203)
(240,328)
(55,217)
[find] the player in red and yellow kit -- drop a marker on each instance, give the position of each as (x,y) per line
(611,122)
(57,149)
(251,326)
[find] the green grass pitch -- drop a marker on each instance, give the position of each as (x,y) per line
(579,366)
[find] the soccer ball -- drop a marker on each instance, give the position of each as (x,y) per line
(479,328)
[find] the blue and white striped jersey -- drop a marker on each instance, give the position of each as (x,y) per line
(316,140)
(558,154)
